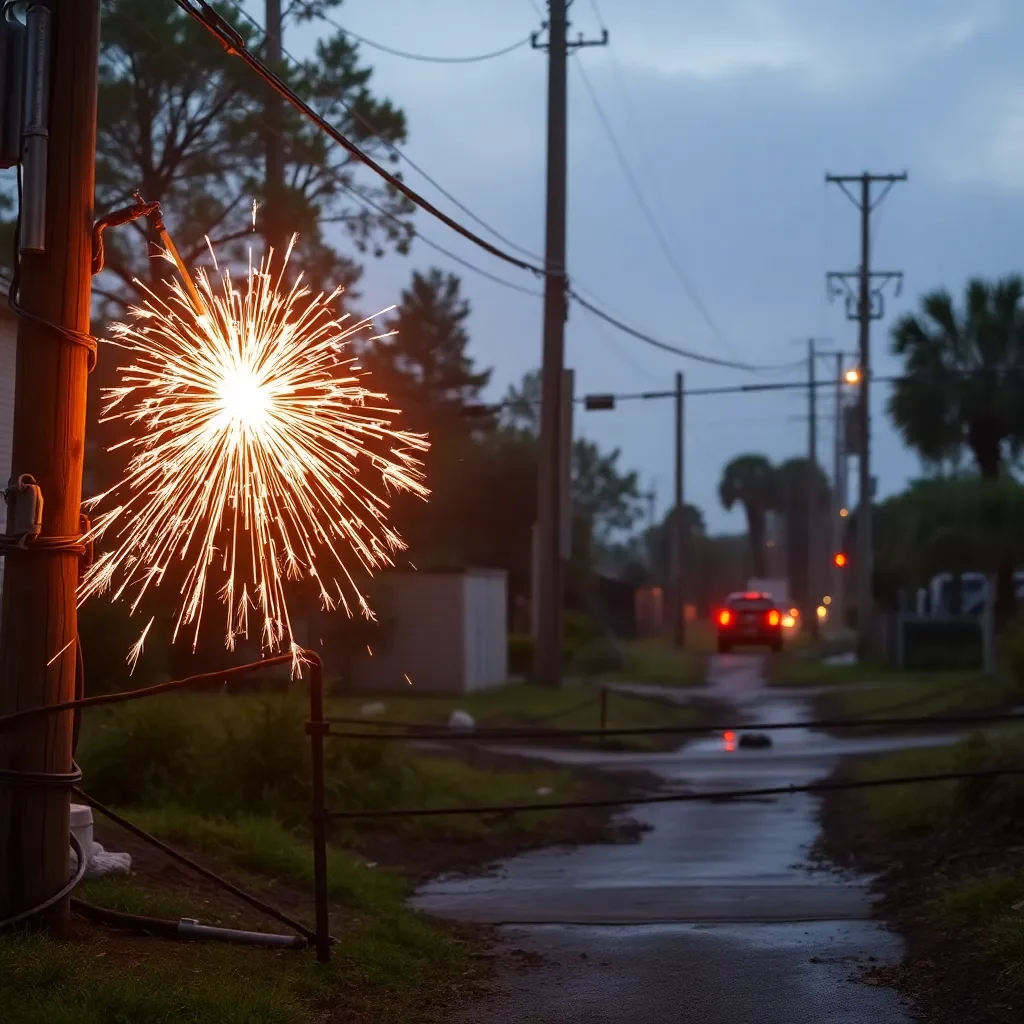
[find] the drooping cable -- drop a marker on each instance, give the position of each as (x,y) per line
(397,151)
(234,45)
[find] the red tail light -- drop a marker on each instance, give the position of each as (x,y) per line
(724,617)
(773,618)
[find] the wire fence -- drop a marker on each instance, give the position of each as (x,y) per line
(320,727)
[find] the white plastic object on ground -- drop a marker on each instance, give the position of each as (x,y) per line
(461,720)
(99,863)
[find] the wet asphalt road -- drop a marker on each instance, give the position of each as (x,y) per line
(714,917)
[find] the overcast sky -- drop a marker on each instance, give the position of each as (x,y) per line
(730,112)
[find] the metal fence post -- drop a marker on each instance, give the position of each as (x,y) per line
(317,728)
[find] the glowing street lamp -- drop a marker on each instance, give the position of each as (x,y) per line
(852,375)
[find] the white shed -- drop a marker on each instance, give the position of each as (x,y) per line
(447,633)
(8,362)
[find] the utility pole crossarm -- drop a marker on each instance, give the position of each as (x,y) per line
(864,305)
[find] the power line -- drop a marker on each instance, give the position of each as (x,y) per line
(474,59)
(708,796)
(342,183)
(664,345)
(366,201)
(649,216)
(396,150)
(234,45)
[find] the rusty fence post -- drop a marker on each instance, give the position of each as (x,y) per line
(317,729)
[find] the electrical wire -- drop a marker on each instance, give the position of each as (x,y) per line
(655,342)
(365,201)
(649,216)
(474,59)
(819,725)
(234,45)
(572,292)
(719,796)
(354,113)
(52,901)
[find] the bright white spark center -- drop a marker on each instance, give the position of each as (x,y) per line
(243,400)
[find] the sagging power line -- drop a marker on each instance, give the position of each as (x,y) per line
(234,45)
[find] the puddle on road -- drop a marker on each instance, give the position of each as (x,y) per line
(727,843)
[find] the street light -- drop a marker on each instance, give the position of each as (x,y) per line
(852,375)
(844,512)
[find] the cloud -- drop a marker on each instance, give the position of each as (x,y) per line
(827,46)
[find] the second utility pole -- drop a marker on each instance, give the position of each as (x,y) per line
(547,663)
(274,230)
(864,305)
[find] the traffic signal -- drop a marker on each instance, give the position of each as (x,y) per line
(839,560)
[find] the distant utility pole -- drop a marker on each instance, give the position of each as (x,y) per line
(38,621)
(811,611)
(678,528)
(548,613)
(864,305)
(275,230)
(837,610)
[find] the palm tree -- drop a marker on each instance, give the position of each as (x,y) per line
(750,480)
(963,385)
(963,375)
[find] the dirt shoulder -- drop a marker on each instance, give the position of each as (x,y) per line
(952,971)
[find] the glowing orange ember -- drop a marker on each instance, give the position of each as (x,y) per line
(255,451)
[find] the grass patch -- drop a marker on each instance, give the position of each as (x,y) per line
(792,669)
(927,694)
(264,846)
(979,914)
(657,661)
(389,966)
(919,808)
(129,896)
(245,758)
(977,903)
(526,704)
(386,970)
(49,982)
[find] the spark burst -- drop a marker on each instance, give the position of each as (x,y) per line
(254,447)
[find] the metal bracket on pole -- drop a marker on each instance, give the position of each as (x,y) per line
(36,133)
(839,285)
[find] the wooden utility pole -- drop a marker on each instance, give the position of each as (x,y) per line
(39,624)
(679,529)
(837,609)
(547,562)
(275,230)
(864,304)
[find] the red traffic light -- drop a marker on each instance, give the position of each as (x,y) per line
(839,559)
